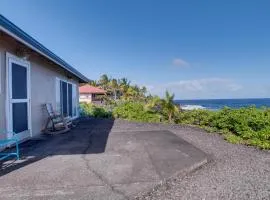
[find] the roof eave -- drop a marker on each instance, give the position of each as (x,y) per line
(32,43)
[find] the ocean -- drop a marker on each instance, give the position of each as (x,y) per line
(216,104)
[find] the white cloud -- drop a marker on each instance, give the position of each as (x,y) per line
(199,88)
(180,62)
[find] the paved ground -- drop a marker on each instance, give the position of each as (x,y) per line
(100,159)
(235,172)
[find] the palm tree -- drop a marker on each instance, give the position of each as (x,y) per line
(93,83)
(131,93)
(154,104)
(168,106)
(143,91)
(104,81)
(114,87)
(124,84)
(124,81)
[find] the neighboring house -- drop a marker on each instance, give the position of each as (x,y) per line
(30,76)
(91,94)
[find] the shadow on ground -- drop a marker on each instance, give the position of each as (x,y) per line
(100,160)
(80,140)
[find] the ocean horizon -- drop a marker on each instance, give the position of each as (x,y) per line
(217,104)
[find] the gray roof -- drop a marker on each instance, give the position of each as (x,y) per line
(14,31)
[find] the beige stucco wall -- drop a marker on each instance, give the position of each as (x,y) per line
(43,85)
(43,90)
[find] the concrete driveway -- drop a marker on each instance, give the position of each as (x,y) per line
(97,160)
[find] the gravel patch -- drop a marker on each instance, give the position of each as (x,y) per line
(235,172)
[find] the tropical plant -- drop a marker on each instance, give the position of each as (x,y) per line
(104,81)
(168,106)
(143,90)
(250,126)
(114,87)
(92,110)
(154,104)
(94,83)
(135,111)
(124,84)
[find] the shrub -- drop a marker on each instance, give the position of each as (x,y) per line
(135,111)
(249,126)
(195,117)
(91,110)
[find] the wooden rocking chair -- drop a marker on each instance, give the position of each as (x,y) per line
(56,123)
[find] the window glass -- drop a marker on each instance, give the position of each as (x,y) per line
(64,98)
(20,118)
(19,82)
(70,99)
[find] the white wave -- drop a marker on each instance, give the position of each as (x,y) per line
(192,107)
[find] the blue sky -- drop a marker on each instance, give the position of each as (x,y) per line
(196,49)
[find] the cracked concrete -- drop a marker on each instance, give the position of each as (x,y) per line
(97,160)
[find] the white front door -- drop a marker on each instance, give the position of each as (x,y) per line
(18,97)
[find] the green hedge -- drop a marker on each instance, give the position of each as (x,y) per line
(88,109)
(135,111)
(249,126)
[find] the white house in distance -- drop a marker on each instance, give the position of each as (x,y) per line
(30,76)
(91,94)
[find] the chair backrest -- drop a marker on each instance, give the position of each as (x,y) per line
(49,109)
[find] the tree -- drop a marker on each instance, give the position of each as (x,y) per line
(130,93)
(94,83)
(121,88)
(154,104)
(104,81)
(143,91)
(114,87)
(124,84)
(168,106)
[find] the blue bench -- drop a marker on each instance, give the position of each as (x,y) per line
(6,142)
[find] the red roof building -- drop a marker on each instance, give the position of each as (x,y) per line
(88,89)
(91,94)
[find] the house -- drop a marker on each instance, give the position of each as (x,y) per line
(91,94)
(30,76)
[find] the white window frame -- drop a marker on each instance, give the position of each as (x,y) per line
(74,86)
